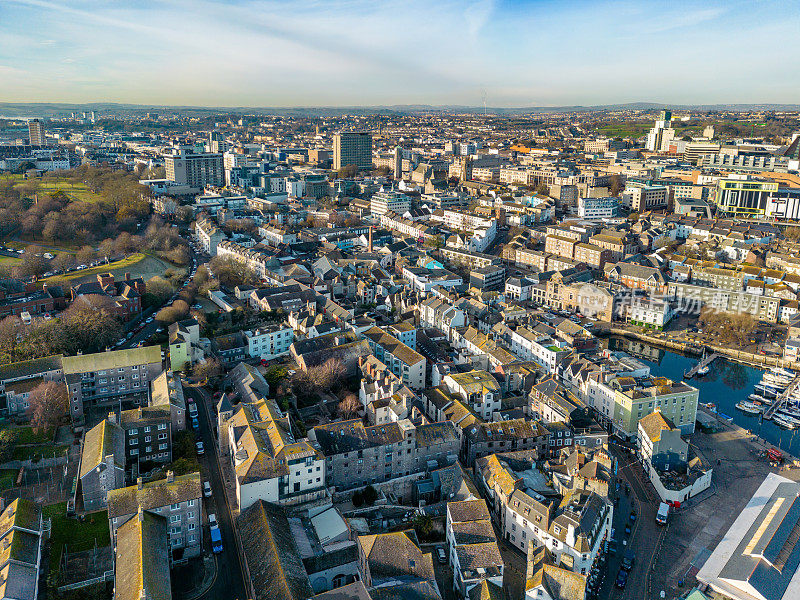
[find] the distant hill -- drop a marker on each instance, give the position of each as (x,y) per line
(52,109)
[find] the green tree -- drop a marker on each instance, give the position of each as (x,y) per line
(370,495)
(183,446)
(8,441)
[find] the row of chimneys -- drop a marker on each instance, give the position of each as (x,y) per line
(170,479)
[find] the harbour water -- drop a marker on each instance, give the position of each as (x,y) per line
(726,384)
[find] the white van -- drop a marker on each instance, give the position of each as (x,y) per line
(663,513)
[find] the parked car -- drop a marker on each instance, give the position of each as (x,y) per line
(200,449)
(622,579)
(206,489)
(441,555)
(628,560)
(195,424)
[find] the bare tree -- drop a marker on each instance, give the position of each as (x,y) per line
(48,403)
(208,369)
(349,407)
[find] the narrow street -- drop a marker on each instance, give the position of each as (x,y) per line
(229,583)
(645,538)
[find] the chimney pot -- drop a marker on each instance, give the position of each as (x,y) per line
(139,483)
(170,476)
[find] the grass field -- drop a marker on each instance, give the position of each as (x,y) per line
(29,435)
(138,265)
(9,261)
(126,265)
(60,248)
(7,478)
(76,535)
(78,191)
(38,452)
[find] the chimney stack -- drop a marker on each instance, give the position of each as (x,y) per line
(141,514)
(370,238)
(139,483)
(170,476)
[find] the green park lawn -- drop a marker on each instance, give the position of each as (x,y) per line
(9,261)
(78,191)
(125,265)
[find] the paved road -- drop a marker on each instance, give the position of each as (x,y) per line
(229,582)
(646,536)
(150,328)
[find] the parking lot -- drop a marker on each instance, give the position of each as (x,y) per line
(695,529)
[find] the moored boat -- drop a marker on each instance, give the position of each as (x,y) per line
(748,407)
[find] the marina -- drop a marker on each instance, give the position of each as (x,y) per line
(725,385)
(702,367)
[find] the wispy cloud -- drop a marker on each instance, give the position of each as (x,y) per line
(317,52)
(476,15)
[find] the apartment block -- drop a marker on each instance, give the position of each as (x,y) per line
(352,148)
(474,554)
(97,382)
(269,342)
(196,170)
(357,455)
(638,397)
(407,364)
(384,202)
(177,498)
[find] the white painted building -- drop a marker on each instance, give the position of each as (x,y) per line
(269,343)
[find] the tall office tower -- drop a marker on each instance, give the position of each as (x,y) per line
(662,134)
(466,168)
(94,116)
(36,133)
(398,163)
(187,167)
(352,148)
(214,139)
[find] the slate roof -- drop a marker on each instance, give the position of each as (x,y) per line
(347,436)
(264,442)
(391,344)
(654,423)
(351,591)
(558,583)
(273,561)
(112,359)
(30,368)
(153,495)
(396,555)
(142,561)
(468,510)
(103,439)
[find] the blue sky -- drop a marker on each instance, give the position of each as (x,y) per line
(360,52)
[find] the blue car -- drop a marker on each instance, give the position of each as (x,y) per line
(195,424)
(622,579)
